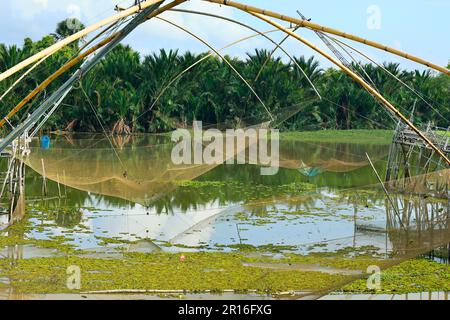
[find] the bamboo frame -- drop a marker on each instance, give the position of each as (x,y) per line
(315,26)
(259,13)
(57,46)
(66,67)
(361,81)
(277,45)
(224,59)
(73,62)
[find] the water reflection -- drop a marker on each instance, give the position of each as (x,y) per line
(226,205)
(143,171)
(160,207)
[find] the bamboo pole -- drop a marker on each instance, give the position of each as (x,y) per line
(315,26)
(74,61)
(224,60)
(57,46)
(65,184)
(361,81)
(59,185)
(52,78)
(22,77)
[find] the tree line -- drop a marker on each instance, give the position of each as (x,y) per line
(129,93)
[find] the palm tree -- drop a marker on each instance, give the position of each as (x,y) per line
(67,28)
(310,66)
(10,56)
(132,94)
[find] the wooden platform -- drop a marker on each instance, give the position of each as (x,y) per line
(410,138)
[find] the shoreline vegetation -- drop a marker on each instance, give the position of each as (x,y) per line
(356,136)
(123,90)
(341,136)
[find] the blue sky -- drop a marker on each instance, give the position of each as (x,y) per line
(420,27)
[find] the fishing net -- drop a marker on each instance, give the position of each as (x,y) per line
(295,232)
(143,169)
(326,249)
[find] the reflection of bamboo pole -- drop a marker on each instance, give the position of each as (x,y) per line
(44,179)
(59,186)
(57,46)
(385,190)
(361,81)
(65,183)
(315,26)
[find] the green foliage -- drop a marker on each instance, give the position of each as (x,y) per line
(139,94)
(412,276)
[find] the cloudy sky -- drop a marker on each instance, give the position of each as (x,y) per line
(420,27)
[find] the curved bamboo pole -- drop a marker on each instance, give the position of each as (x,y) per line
(277,45)
(417,93)
(315,26)
(57,46)
(210,54)
(224,59)
(74,61)
(361,81)
(45,58)
(66,67)
(22,77)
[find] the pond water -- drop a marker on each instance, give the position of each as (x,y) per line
(207,207)
(324,199)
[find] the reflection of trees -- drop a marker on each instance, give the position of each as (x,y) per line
(186,198)
(66,218)
(89,164)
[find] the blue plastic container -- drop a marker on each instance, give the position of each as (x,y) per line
(45,142)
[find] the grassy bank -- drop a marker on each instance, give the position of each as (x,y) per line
(243,269)
(412,276)
(341,136)
(217,272)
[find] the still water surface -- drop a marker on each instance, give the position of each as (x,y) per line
(320,200)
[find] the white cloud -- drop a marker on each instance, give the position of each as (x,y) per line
(74,11)
(150,36)
(26,10)
(42,3)
(211,29)
(84,9)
